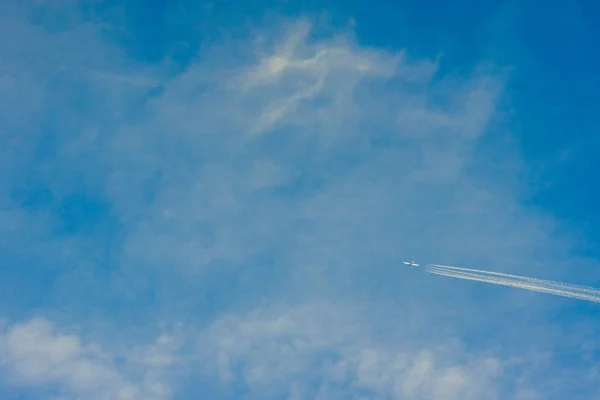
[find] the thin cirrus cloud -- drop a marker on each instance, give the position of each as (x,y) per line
(261,202)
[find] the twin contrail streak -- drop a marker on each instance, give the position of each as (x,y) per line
(537,285)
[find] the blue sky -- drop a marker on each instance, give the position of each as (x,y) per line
(213,199)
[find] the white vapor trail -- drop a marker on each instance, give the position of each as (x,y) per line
(537,285)
(520,278)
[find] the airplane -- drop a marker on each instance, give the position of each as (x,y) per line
(411,264)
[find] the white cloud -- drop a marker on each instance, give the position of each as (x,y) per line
(321,349)
(35,353)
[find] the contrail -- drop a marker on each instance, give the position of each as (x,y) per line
(537,285)
(566,286)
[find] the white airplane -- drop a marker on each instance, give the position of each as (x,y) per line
(411,264)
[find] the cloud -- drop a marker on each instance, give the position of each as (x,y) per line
(321,352)
(299,72)
(35,353)
(326,124)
